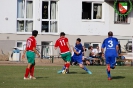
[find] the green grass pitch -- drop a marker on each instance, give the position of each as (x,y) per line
(47,77)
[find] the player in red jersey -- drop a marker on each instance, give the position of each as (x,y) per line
(30,51)
(64,46)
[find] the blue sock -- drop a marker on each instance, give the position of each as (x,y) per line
(85,69)
(108,73)
(63,68)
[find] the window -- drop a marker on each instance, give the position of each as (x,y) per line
(91,10)
(94,45)
(24,15)
(49,17)
(121,19)
(21,45)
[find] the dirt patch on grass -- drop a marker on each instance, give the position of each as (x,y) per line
(39,62)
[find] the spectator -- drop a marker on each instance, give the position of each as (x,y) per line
(83,53)
(119,46)
(87,55)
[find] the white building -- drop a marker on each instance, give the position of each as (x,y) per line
(88,19)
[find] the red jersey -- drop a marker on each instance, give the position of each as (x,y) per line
(62,44)
(30,43)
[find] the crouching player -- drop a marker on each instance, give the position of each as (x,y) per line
(78,49)
(64,46)
(30,51)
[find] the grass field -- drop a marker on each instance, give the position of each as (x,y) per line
(47,77)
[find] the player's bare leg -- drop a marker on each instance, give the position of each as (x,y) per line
(84,68)
(27,72)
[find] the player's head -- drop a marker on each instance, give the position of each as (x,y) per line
(90,48)
(78,40)
(110,34)
(62,34)
(34,33)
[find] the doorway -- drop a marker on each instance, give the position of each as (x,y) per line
(46,49)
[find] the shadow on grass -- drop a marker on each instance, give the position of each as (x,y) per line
(41,77)
(118,77)
(84,73)
(72,72)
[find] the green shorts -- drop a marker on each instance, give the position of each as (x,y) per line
(30,57)
(66,57)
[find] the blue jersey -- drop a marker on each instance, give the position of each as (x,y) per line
(110,45)
(78,48)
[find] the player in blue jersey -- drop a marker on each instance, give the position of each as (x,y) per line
(111,45)
(78,50)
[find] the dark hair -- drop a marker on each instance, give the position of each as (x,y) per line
(62,34)
(34,33)
(89,47)
(78,39)
(110,33)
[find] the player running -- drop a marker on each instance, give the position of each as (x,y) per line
(30,51)
(78,50)
(111,45)
(64,46)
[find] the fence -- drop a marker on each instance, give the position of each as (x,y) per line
(47,51)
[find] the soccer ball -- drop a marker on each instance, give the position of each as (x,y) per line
(63,72)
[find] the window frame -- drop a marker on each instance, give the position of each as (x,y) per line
(23,43)
(50,20)
(25,18)
(92,4)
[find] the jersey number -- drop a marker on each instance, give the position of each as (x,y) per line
(28,43)
(62,42)
(110,43)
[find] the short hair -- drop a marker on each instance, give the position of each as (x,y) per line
(110,33)
(89,47)
(62,34)
(34,33)
(78,39)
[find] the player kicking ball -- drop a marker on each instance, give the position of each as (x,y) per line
(64,46)
(30,51)
(78,50)
(111,45)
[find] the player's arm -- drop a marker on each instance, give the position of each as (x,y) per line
(76,51)
(34,49)
(23,56)
(56,45)
(68,45)
(117,47)
(103,46)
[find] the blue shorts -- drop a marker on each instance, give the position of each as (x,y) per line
(111,60)
(78,59)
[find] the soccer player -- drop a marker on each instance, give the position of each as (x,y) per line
(65,49)
(30,51)
(78,50)
(111,45)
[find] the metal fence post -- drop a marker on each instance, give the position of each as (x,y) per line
(52,59)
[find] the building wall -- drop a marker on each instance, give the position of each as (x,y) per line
(120,29)
(6,45)
(69,19)
(8,10)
